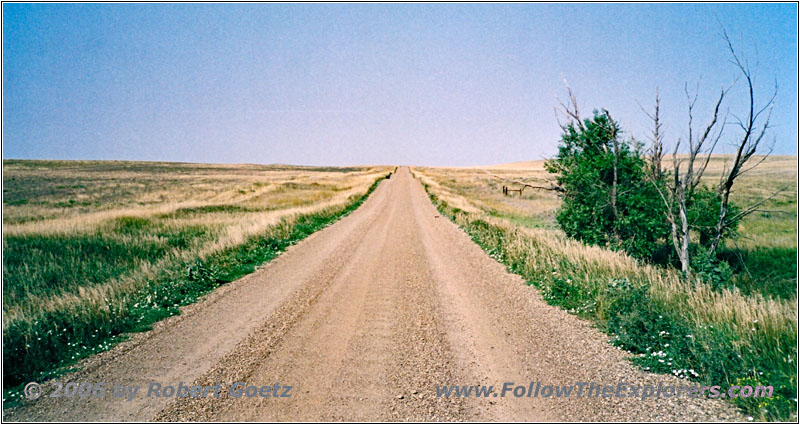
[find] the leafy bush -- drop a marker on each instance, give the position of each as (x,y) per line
(585,171)
(702,209)
(717,273)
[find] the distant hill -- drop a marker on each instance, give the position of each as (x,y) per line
(522,165)
(716,164)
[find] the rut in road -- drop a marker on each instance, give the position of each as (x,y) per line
(364,319)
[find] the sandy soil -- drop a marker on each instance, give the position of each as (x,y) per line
(364,319)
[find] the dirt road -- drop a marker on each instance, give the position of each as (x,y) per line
(363,319)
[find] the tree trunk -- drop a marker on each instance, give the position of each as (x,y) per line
(684,251)
(614,189)
(721,224)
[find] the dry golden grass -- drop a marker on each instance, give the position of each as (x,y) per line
(234,202)
(73,196)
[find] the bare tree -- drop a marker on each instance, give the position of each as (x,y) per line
(614,138)
(687,171)
(570,109)
(754,129)
(657,139)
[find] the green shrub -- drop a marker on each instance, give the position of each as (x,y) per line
(591,212)
(717,273)
(702,210)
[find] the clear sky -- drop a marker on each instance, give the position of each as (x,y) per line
(340,84)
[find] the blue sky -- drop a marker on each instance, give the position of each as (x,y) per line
(341,84)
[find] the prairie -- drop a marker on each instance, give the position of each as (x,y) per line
(95,249)
(744,333)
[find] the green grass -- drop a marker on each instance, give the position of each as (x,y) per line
(46,265)
(768,271)
(529,221)
(50,343)
(663,336)
(210,209)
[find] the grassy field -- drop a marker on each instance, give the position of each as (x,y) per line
(93,250)
(764,255)
(745,334)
